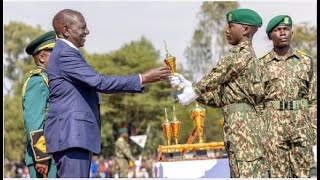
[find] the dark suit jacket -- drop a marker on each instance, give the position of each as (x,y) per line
(73,118)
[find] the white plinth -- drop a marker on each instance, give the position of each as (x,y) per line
(208,168)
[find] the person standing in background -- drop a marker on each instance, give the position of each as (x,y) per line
(35,95)
(290,106)
(123,152)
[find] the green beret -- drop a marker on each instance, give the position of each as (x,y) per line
(45,41)
(122,131)
(279,20)
(244,16)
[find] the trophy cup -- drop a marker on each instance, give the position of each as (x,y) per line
(198,114)
(170,61)
(175,127)
(166,128)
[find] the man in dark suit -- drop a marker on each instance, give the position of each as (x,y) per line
(72,127)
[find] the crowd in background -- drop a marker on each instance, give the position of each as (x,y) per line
(107,168)
(101,167)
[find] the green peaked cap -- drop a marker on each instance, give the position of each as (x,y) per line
(45,41)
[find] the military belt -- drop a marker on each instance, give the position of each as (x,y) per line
(238,107)
(288,105)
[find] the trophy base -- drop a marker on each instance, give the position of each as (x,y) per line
(201,153)
(173,155)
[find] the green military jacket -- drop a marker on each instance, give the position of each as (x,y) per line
(290,79)
(35,95)
(122,149)
(235,79)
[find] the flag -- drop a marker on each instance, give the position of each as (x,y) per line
(139,139)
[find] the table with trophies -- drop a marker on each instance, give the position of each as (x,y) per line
(190,159)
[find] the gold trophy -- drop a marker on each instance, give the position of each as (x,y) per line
(198,115)
(166,128)
(175,127)
(170,61)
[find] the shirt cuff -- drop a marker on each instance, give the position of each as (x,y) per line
(140,79)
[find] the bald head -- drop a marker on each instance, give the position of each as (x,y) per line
(65,17)
(70,25)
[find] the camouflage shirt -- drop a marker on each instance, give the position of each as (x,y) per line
(290,79)
(122,149)
(235,78)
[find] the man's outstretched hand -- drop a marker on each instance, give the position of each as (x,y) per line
(155,74)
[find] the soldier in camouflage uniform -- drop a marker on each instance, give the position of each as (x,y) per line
(235,85)
(123,152)
(290,103)
(35,95)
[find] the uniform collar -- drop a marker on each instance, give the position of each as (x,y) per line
(275,56)
(42,68)
(241,46)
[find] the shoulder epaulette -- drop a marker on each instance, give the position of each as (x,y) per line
(303,53)
(264,55)
(32,73)
(36,71)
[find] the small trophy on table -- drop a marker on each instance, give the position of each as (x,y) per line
(198,114)
(175,127)
(167,128)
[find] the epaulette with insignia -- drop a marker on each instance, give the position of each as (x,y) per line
(36,71)
(304,54)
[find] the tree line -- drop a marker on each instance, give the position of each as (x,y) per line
(138,110)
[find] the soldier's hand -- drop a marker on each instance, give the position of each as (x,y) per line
(42,167)
(156,74)
(187,96)
(174,81)
(183,81)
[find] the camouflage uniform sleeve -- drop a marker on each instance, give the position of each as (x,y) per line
(230,65)
(124,147)
(312,95)
(34,104)
(211,98)
(260,99)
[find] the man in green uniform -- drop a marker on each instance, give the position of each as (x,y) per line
(290,103)
(235,85)
(123,152)
(35,95)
